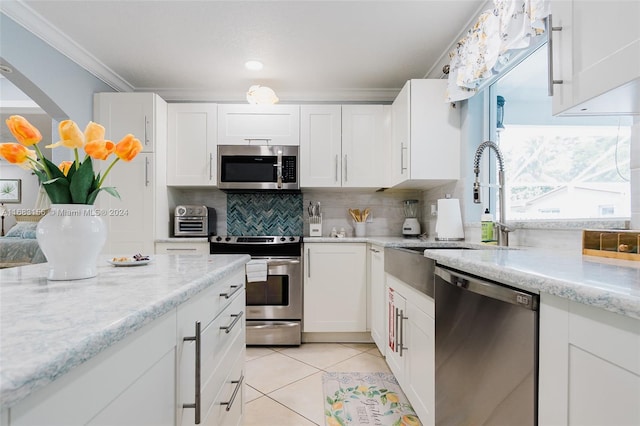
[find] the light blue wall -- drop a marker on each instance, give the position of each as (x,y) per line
(60,86)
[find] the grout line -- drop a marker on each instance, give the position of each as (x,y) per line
(291,409)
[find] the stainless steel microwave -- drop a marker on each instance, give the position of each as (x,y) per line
(258,167)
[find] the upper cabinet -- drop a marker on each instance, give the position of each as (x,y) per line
(258,124)
(191,159)
(343,146)
(123,113)
(596,55)
(425,137)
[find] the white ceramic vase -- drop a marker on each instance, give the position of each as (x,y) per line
(71,237)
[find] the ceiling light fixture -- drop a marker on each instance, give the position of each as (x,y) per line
(253,65)
(261,95)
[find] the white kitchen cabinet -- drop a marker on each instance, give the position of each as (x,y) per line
(377,309)
(258,124)
(131,382)
(219,314)
(124,113)
(192,155)
(425,136)
(141,214)
(344,146)
(597,56)
(410,351)
(589,365)
(335,287)
(186,246)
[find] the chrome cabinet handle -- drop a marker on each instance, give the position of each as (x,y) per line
(345,169)
(181,249)
(210,166)
(308,263)
(402,149)
(267,140)
(396,327)
(336,168)
(401,346)
(236,317)
(146,132)
(146,172)
(197,338)
(550,30)
(374,250)
(233,289)
(234,394)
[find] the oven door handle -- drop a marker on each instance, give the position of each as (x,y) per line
(282,262)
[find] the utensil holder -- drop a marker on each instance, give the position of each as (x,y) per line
(315,226)
(361,228)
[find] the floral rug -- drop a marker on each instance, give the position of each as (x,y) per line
(365,399)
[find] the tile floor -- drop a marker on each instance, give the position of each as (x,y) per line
(284,384)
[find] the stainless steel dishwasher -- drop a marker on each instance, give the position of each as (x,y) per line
(486,352)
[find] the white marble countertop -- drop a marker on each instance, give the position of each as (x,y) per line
(49,327)
(610,284)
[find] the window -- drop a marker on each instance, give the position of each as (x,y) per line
(559,168)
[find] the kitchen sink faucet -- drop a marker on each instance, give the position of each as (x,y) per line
(501,225)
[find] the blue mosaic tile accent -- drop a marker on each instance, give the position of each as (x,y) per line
(264,213)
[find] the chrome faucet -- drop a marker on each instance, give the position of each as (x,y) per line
(501,226)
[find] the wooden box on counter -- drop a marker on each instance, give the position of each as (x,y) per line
(617,244)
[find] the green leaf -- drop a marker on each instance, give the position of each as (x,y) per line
(58,190)
(53,169)
(91,199)
(329,401)
(81,182)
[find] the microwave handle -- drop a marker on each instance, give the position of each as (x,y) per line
(279,169)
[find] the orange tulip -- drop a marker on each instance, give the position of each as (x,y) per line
(99,149)
(65,166)
(70,135)
(23,131)
(128,148)
(17,154)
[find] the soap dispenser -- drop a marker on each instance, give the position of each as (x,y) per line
(486,225)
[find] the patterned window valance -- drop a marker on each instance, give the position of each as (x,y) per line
(487,46)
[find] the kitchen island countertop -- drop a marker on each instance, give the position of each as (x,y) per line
(49,327)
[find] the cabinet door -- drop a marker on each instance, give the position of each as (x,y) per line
(123,113)
(420,363)
(259,125)
(363,146)
(597,57)
(320,146)
(335,288)
(129,219)
(192,156)
(400,135)
(378,303)
(396,309)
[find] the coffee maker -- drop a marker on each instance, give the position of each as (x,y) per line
(411,226)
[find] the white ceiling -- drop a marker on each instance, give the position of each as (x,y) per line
(195,50)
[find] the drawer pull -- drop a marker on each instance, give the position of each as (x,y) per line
(233,289)
(234,394)
(196,404)
(236,317)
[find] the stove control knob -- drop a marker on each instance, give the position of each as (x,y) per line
(283,239)
(292,238)
(218,238)
(227,239)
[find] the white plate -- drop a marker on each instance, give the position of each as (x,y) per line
(131,262)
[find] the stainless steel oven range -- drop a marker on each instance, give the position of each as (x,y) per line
(274,306)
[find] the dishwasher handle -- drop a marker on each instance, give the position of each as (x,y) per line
(488,289)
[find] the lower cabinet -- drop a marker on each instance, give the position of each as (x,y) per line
(410,350)
(211,335)
(335,287)
(589,365)
(130,383)
(377,307)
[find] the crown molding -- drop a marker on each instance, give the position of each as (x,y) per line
(43,29)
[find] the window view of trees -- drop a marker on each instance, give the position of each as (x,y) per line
(558,168)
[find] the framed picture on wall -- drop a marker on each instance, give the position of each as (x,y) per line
(10,190)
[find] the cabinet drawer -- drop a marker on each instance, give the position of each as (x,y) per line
(209,304)
(218,351)
(187,247)
(233,385)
